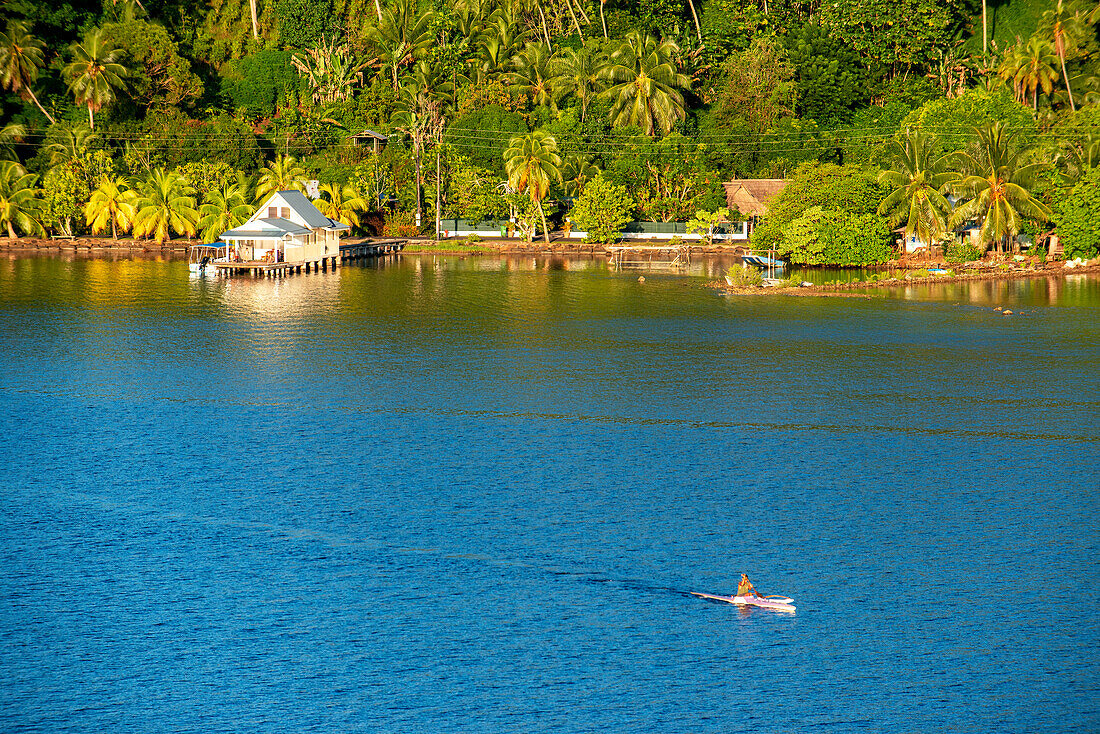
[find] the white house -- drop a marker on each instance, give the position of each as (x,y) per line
(287,228)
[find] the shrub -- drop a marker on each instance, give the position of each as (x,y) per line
(962,252)
(602,210)
(1076,217)
(741,276)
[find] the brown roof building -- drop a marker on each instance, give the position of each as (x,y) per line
(751,196)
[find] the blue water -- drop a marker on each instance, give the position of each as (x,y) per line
(474,495)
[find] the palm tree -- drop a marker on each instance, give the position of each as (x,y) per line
(331,70)
(576,171)
(18,205)
(223,208)
(995,187)
(166,204)
(533,163)
(94,74)
(645,79)
(20,60)
(282,174)
(1030,67)
(918,181)
(1067,31)
(341,203)
(403,34)
(421,118)
(64,142)
(11,134)
(111,202)
(580,73)
(534,73)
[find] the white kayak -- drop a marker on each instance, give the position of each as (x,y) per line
(780,603)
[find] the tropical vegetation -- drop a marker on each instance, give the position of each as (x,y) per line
(174,119)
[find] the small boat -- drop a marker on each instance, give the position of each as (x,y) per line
(201,258)
(763,261)
(779,603)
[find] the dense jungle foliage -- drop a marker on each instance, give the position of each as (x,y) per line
(175,118)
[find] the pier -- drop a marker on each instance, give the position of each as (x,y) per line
(350,252)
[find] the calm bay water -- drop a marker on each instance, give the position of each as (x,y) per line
(473,495)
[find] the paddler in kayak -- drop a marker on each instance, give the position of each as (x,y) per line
(745,587)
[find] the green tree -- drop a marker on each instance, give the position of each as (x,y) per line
(917,181)
(704,222)
(831,80)
(94,75)
(166,204)
(20,61)
(644,83)
(756,85)
(1030,67)
(282,174)
(829,237)
(533,73)
(260,83)
(302,22)
(995,187)
(474,192)
(18,206)
(402,35)
(831,187)
(224,207)
(1076,215)
(533,164)
(601,211)
(341,203)
(160,78)
(112,202)
(1068,29)
(580,72)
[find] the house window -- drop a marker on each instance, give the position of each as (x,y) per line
(272,212)
(284,212)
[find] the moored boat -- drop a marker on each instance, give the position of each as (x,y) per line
(201,258)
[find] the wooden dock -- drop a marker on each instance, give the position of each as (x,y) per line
(348,253)
(667,256)
(369,248)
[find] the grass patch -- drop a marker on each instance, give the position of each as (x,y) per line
(444,246)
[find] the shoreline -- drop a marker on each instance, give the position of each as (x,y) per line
(981,271)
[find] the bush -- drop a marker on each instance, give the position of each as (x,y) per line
(742,276)
(1076,217)
(400,224)
(826,237)
(602,210)
(961,252)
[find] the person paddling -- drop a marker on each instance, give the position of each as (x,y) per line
(745,587)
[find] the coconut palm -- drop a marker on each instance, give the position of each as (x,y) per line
(18,203)
(419,116)
(917,179)
(1030,67)
(995,187)
(94,75)
(403,33)
(533,73)
(1068,31)
(112,203)
(341,203)
(224,207)
(166,204)
(533,164)
(64,142)
(282,174)
(580,73)
(645,79)
(576,171)
(11,134)
(20,60)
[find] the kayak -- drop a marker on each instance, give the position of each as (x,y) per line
(779,603)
